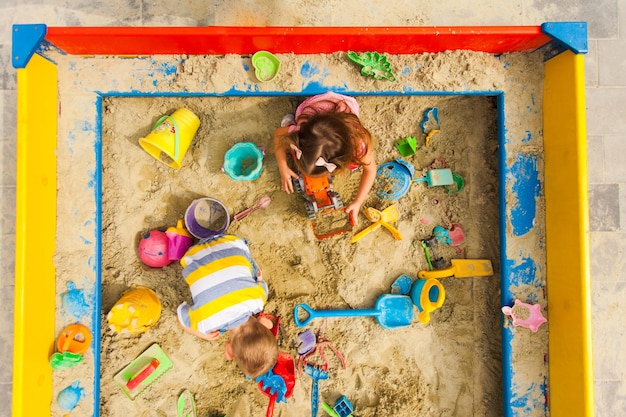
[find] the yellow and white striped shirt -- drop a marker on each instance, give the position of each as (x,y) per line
(225,289)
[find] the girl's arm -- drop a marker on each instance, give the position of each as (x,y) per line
(281,160)
(367,180)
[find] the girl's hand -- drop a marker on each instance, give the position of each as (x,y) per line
(353,211)
(286,174)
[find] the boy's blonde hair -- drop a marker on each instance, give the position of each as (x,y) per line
(254,348)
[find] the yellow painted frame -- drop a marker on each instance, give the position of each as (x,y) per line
(35,291)
(567,237)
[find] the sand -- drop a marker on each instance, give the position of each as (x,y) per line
(447,367)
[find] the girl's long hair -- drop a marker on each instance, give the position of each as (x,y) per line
(338,137)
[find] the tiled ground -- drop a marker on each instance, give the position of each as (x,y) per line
(606,123)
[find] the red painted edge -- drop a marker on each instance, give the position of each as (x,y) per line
(218,40)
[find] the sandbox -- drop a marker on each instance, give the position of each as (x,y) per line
(66,84)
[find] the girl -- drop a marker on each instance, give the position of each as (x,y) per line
(326,137)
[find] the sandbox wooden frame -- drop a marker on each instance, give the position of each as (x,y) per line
(569,390)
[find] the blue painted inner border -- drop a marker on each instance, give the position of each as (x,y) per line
(506,272)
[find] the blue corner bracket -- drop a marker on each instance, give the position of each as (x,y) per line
(570,35)
(26,41)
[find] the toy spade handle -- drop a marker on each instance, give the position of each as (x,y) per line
(329,410)
(270,406)
(314,398)
(145,373)
(437,273)
(313,314)
(307,320)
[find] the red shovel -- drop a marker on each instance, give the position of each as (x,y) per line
(278,383)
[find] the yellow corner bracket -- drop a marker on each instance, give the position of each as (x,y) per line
(37,103)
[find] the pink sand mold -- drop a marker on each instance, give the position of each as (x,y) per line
(534,320)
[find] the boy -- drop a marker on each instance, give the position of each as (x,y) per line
(226,292)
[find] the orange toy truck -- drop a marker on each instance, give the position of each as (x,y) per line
(322,205)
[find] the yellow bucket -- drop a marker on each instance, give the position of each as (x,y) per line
(135,312)
(171,136)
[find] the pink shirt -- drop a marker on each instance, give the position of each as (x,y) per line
(324,103)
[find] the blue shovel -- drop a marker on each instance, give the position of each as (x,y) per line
(391,311)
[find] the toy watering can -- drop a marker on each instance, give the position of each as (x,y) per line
(135,312)
(428,295)
(179,241)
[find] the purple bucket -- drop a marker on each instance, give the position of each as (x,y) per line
(206,217)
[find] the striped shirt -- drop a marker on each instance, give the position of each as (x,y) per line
(222,278)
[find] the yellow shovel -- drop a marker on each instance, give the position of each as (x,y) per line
(461,268)
(379,218)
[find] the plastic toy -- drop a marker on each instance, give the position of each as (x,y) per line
(316,365)
(279,382)
(379,218)
(186,405)
(406,146)
(266,65)
(317,374)
(321,203)
(391,311)
(270,320)
(427,295)
(525,315)
(206,217)
(461,268)
(262,203)
(453,236)
(384,217)
(143,371)
(171,136)
(179,241)
(393,179)
(458,184)
(75,338)
(433,261)
(342,408)
(65,360)
(74,301)
(441,176)
(430,120)
(430,123)
(306,342)
(317,355)
(402,285)
(69,397)
(430,135)
(374,64)
(153,249)
(244,161)
(135,312)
